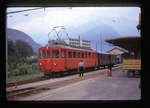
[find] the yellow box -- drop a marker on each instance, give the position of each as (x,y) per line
(134,64)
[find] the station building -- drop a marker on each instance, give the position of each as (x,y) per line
(119,52)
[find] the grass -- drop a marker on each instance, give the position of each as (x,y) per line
(25,77)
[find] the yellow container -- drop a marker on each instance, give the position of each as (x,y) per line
(132,64)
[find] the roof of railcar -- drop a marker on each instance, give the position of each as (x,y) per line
(69,47)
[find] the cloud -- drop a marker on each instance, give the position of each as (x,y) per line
(42,22)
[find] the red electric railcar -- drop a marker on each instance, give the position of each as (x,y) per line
(59,59)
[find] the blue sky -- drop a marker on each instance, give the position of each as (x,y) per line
(39,23)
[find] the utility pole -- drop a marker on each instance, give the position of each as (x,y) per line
(96,46)
(79,40)
(101,43)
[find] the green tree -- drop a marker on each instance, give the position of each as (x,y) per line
(12,52)
(24,49)
(17,53)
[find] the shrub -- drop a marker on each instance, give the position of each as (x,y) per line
(21,69)
(35,66)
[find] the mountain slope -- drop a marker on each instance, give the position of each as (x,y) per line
(14,35)
(98,33)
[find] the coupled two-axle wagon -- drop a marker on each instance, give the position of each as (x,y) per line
(59,59)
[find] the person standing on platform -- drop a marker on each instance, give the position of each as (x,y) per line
(110,70)
(81,68)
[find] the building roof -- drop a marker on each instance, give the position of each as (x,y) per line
(120,51)
(129,43)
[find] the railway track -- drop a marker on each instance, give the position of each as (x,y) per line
(36,79)
(17,94)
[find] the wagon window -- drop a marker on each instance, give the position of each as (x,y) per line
(78,54)
(82,54)
(85,54)
(48,53)
(74,54)
(55,54)
(42,54)
(62,53)
(70,54)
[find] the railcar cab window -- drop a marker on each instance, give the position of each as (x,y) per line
(48,53)
(55,53)
(74,54)
(69,53)
(42,54)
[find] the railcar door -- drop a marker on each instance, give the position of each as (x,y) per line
(42,59)
(56,59)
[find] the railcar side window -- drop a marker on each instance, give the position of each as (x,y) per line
(74,54)
(55,53)
(89,55)
(85,54)
(42,54)
(82,54)
(48,53)
(62,53)
(78,54)
(69,53)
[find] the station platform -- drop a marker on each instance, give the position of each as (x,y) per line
(116,87)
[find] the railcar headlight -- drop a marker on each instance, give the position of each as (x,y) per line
(40,64)
(54,64)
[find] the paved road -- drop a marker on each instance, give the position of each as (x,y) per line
(117,87)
